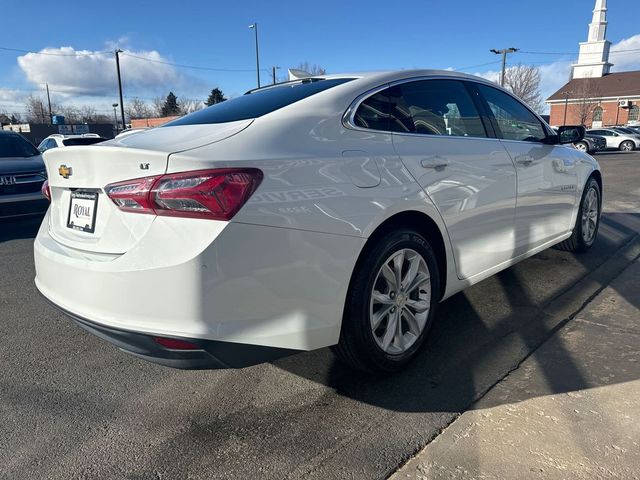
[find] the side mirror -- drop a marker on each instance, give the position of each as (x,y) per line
(571,134)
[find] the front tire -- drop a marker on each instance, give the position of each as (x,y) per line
(627,146)
(587,224)
(583,147)
(391,303)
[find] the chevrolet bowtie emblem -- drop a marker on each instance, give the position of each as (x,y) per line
(64,171)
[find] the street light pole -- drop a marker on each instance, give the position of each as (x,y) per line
(504,53)
(115,116)
(273,73)
(118,52)
(255,28)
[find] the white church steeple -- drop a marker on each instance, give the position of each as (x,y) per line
(593,60)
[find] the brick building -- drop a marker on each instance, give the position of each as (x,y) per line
(594,96)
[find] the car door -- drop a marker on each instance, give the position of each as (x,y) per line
(546,174)
(442,140)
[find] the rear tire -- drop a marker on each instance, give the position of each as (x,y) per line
(391,303)
(627,146)
(585,231)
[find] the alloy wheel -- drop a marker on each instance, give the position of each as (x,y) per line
(590,209)
(581,146)
(400,301)
(626,146)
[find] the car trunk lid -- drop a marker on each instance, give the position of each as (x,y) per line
(82,216)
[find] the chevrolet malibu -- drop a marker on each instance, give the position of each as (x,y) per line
(330,211)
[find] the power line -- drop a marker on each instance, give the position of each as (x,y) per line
(477,66)
(76,54)
(182,65)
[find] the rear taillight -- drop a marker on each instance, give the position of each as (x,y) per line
(46,191)
(132,195)
(214,194)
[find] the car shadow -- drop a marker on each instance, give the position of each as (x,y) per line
(485,332)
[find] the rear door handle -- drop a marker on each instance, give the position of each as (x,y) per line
(436,163)
(526,161)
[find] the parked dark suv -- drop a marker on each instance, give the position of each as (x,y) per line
(22,173)
(592,144)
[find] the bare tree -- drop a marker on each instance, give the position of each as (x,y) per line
(37,110)
(314,69)
(585,100)
(524,82)
(158,105)
(71,113)
(137,108)
(189,105)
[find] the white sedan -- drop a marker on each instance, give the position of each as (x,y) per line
(329,211)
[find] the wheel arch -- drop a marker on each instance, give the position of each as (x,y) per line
(423,224)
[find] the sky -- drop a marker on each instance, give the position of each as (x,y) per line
(73,43)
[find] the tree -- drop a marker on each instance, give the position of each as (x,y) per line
(170,106)
(524,82)
(37,110)
(585,100)
(156,105)
(312,69)
(216,96)
(187,106)
(137,108)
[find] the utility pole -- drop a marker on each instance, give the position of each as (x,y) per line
(273,74)
(504,53)
(118,52)
(49,100)
(566,106)
(255,28)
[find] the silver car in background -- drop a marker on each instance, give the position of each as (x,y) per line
(616,139)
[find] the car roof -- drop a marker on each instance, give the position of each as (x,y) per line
(388,76)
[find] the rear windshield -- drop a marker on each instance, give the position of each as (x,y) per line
(15,146)
(257,103)
(69,142)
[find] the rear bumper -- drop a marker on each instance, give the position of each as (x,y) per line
(212,355)
(244,285)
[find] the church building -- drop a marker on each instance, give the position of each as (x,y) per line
(594,96)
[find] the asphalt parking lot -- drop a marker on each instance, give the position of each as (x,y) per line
(73,406)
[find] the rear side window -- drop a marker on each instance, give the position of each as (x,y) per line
(13,145)
(515,121)
(428,107)
(258,103)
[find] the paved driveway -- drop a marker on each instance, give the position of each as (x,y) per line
(72,406)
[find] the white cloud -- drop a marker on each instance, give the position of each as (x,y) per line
(84,72)
(626,60)
(12,100)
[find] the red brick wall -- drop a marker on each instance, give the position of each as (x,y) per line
(150,122)
(610,113)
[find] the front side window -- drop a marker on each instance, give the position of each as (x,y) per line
(515,121)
